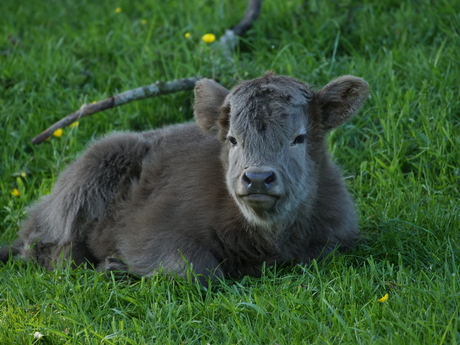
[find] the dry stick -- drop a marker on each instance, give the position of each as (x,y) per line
(228,41)
(152,90)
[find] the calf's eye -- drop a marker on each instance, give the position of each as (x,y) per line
(299,140)
(232,140)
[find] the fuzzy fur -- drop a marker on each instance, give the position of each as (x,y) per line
(165,199)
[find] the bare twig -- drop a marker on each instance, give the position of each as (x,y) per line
(228,42)
(152,90)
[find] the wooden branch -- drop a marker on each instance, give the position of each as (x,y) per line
(152,90)
(230,39)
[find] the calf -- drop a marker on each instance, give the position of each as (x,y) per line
(250,182)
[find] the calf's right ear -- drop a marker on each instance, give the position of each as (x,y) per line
(209,98)
(341,99)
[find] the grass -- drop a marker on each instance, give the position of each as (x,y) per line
(400,156)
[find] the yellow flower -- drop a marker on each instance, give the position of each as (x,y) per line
(23,174)
(118,10)
(94,102)
(58,132)
(143,21)
(187,35)
(209,38)
(74,124)
(16,192)
(383,299)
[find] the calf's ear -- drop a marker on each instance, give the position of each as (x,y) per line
(341,99)
(209,98)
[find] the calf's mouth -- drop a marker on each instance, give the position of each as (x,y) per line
(260,201)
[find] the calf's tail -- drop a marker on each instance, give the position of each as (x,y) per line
(8,252)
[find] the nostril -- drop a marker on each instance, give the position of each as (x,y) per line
(270,178)
(258,182)
(247,181)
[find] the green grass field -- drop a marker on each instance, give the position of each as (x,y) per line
(400,155)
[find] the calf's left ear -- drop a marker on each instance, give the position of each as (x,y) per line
(209,98)
(341,99)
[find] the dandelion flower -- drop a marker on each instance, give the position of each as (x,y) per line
(187,35)
(118,10)
(383,299)
(144,21)
(209,38)
(23,174)
(58,132)
(16,192)
(74,124)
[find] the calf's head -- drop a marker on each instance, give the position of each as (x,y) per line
(272,130)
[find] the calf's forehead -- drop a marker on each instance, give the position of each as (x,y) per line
(269,104)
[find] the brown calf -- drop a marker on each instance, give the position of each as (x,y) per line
(249,182)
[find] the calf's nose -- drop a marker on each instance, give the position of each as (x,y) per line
(258,182)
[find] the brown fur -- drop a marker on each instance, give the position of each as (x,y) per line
(250,182)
